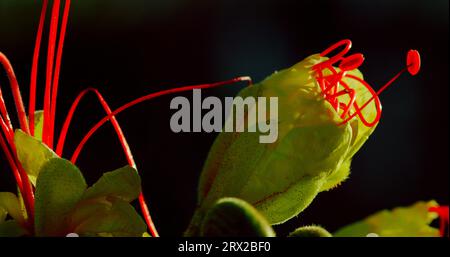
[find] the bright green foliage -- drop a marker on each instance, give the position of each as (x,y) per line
(59,188)
(64,204)
(38,124)
(411,221)
(105,208)
(310,231)
(10,205)
(312,154)
(10,228)
(113,217)
(32,154)
(123,183)
(235,217)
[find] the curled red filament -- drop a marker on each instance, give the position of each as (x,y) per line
(334,88)
(442,211)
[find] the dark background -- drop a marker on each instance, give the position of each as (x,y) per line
(131,48)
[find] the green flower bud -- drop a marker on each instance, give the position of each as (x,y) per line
(310,231)
(234,217)
(312,154)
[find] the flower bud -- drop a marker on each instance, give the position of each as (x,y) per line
(312,153)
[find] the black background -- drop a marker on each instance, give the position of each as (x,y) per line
(130,48)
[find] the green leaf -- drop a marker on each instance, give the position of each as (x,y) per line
(59,187)
(123,183)
(310,231)
(11,228)
(235,217)
(32,154)
(23,208)
(411,221)
(38,124)
(107,218)
(3,214)
(11,205)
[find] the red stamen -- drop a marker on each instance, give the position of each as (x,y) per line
(147,216)
(4,112)
(11,163)
(331,84)
(49,72)
(119,132)
(19,174)
(57,71)
(66,125)
(111,115)
(123,142)
(9,134)
(145,98)
(28,193)
(443,213)
(413,62)
(357,110)
(351,62)
(34,68)
(22,116)
(345,42)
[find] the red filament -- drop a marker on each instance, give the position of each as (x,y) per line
(34,68)
(334,88)
(442,211)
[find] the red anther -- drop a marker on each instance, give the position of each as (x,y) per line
(442,211)
(351,62)
(412,65)
(413,62)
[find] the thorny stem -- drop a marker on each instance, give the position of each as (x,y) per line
(34,68)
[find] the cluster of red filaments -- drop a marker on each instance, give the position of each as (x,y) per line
(54,55)
(340,94)
(334,88)
(53,66)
